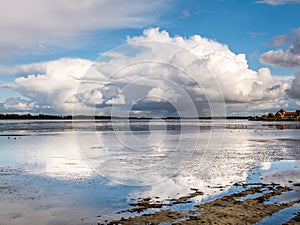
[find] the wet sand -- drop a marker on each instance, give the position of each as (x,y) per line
(238,208)
(294,221)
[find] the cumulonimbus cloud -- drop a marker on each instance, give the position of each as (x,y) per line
(64,82)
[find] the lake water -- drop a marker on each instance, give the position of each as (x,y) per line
(83,172)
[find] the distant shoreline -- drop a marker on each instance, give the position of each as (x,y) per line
(281,115)
(86,117)
(273,119)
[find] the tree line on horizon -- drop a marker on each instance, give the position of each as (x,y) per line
(28,116)
(272,117)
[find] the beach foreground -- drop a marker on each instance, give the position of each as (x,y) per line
(239,208)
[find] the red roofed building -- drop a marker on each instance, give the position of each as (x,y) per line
(289,115)
(280,113)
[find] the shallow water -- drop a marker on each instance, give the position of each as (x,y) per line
(87,171)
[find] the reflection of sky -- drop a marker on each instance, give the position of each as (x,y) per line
(285,173)
(53,155)
(167,160)
(195,150)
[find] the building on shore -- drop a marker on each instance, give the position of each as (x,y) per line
(288,115)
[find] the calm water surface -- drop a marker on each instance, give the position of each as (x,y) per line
(86,171)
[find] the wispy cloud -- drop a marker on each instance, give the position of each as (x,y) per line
(34,23)
(255,34)
(278,2)
(185,13)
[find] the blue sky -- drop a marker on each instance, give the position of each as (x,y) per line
(45,32)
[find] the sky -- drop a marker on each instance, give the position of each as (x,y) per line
(149,58)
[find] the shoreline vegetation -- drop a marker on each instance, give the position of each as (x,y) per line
(270,119)
(265,117)
(281,115)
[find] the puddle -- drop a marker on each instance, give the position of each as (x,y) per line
(281,217)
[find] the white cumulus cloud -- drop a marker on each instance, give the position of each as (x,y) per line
(238,82)
(52,83)
(19,105)
(190,73)
(286,58)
